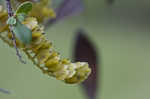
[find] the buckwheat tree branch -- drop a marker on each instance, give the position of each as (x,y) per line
(10,14)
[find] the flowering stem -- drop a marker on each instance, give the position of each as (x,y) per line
(9,8)
(10,14)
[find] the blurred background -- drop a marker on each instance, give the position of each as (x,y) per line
(119,30)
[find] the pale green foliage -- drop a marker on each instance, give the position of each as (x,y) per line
(11,21)
(22,32)
(21,17)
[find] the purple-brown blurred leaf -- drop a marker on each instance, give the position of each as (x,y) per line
(85,51)
(110,2)
(65,9)
(4,91)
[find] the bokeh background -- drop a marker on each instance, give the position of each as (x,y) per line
(121,34)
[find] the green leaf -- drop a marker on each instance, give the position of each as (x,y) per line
(11,21)
(25,7)
(21,17)
(22,32)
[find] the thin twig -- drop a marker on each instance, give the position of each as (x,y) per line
(10,14)
(4,91)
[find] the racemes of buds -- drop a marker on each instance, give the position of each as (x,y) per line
(31,39)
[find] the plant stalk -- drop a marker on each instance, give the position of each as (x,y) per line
(10,14)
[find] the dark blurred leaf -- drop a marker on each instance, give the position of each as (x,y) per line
(4,91)
(56,3)
(110,2)
(85,51)
(65,9)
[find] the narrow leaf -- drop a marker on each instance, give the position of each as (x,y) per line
(84,50)
(25,7)
(22,32)
(67,8)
